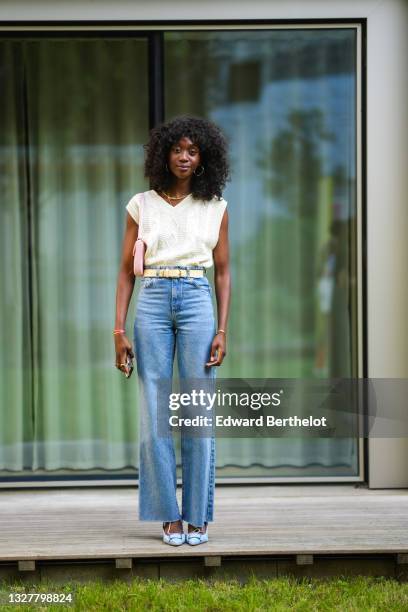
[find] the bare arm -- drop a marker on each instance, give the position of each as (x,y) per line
(124,290)
(222,281)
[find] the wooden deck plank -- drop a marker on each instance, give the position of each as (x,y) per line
(263,520)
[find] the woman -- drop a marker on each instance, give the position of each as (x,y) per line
(185,226)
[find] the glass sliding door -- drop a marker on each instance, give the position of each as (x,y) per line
(74,119)
(286,99)
(74,116)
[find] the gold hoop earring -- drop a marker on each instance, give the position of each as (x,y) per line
(201,173)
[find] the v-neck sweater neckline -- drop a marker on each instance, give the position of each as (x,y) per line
(159,197)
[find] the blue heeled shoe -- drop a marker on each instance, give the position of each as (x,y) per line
(196,537)
(173,539)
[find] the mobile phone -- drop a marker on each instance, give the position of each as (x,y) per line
(129,365)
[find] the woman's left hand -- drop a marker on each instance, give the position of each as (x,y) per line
(218,350)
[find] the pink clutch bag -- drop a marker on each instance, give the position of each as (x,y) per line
(139,248)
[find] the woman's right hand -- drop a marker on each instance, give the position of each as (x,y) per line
(123,349)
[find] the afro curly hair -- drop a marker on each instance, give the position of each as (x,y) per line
(212,145)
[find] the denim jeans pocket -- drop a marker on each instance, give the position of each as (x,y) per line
(202,283)
(147,281)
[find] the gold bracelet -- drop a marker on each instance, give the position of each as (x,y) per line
(221,330)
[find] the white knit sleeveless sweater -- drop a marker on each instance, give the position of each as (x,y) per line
(182,235)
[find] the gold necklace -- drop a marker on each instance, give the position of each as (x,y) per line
(176,197)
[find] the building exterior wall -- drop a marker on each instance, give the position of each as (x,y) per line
(386,163)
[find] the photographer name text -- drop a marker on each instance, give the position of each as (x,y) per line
(261,421)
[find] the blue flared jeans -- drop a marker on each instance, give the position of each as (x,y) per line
(173,315)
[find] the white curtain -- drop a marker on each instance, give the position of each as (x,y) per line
(16,384)
(84,119)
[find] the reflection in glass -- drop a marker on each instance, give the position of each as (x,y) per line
(74,116)
(286,100)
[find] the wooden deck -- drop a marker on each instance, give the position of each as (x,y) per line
(251,521)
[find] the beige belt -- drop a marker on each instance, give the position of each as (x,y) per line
(172,272)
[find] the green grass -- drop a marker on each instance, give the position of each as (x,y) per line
(281,594)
